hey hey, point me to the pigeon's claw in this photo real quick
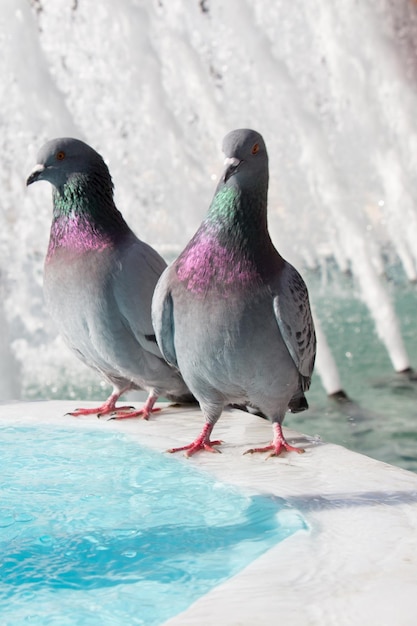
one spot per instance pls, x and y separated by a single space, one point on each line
275 450
278 444
121 409
104 409
144 413
201 443
194 447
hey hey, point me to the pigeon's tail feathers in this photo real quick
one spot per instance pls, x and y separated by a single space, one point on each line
249 408
186 398
163 318
298 403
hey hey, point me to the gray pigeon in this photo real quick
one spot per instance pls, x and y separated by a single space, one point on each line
230 312
99 280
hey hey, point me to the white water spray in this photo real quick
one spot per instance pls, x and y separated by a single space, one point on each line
154 86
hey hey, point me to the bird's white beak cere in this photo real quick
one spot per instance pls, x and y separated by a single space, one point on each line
230 166
231 162
35 174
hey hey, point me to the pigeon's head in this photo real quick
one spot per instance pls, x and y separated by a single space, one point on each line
246 158
63 159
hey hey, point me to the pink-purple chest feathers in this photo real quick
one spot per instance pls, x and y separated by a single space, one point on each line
74 236
207 265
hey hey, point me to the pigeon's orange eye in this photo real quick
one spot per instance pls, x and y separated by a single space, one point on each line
60 156
255 148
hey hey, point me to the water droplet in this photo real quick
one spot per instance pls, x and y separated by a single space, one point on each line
130 554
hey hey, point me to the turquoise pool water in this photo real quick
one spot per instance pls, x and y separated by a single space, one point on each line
98 530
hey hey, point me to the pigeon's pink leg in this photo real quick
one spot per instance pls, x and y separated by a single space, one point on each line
278 444
144 412
201 443
108 407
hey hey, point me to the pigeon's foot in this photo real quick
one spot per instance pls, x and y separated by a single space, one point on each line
278 444
100 410
108 407
276 449
194 447
144 412
124 415
201 443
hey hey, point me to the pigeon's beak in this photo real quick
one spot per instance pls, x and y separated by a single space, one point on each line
36 174
230 166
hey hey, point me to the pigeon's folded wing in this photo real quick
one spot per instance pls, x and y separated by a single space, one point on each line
141 267
163 317
293 315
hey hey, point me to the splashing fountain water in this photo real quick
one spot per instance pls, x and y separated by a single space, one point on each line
155 86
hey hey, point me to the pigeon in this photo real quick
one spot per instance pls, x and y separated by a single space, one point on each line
99 280
230 312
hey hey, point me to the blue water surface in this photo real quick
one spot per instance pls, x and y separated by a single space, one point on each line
98 530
